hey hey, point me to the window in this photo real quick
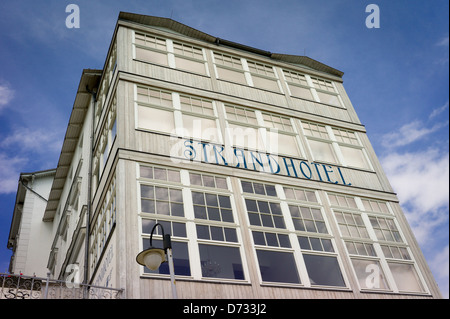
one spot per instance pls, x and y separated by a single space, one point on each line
189 58
319 142
229 68
210 206
151 49
326 92
359 248
208 181
375 206
103 226
351 225
161 200
263 131
333 145
221 262
406 277
277 266
159 173
176 229
308 219
396 252
155 110
342 201
217 233
199 119
241 115
370 274
271 239
242 128
351 148
258 188
317 244
323 270
299 194
385 229
280 135
180 258
264 213
263 76
298 85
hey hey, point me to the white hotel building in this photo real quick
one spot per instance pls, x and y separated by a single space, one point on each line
255 162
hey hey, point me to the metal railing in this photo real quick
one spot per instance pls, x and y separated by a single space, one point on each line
31 287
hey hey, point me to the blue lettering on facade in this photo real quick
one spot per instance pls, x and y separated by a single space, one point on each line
205 152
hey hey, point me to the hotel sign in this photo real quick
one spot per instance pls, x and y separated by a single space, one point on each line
236 157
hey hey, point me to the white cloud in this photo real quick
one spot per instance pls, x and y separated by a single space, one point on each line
421 181
409 133
9 173
438 110
420 178
34 140
6 95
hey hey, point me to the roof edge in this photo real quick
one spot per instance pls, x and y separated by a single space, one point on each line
199 35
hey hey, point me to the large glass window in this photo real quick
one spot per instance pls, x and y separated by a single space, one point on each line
277 266
221 262
370 274
405 277
180 254
323 270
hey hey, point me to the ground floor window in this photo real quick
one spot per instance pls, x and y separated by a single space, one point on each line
277 266
221 262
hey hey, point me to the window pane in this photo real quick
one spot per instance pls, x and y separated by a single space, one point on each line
405 277
322 151
155 119
180 258
323 270
230 75
201 128
221 262
277 266
282 144
300 92
190 65
328 98
265 83
369 273
151 56
354 157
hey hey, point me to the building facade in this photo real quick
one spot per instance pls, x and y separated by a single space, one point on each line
256 163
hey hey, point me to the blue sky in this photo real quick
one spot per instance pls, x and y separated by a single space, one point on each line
397 77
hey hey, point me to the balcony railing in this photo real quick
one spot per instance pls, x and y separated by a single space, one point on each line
31 287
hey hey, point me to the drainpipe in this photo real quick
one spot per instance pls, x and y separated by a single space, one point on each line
89 204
